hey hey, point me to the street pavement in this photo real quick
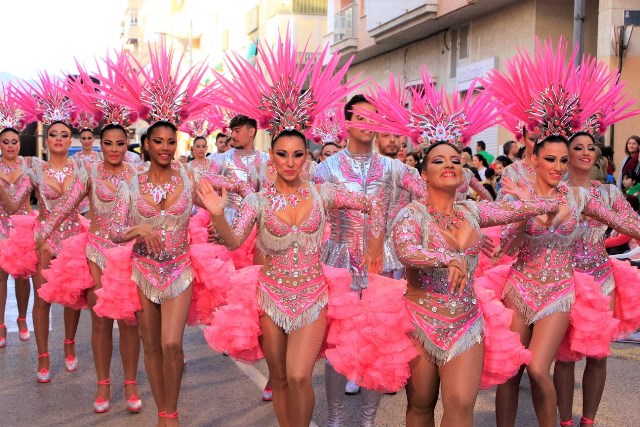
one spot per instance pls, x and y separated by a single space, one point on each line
217 391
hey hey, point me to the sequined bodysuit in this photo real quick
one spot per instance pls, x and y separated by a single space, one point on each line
50 200
590 254
13 189
369 174
445 323
94 157
291 286
165 275
541 279
100 190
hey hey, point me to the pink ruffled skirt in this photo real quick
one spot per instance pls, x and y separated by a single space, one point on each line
18 255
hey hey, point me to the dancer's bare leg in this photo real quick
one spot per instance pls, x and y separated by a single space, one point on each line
507 393
40 313
3 301
564 383
71 320
460 381
274 345
422 390
546 337
174 319
23 291
303 347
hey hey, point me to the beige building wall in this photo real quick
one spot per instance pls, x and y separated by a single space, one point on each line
611 15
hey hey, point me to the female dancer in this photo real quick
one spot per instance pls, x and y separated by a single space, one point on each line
292 289
540 284
198 130
100 188
51 180
154 210
12 169
617 280
438 241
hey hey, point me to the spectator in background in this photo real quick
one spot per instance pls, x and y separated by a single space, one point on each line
630 184
510 150
481 149
621 243
467 162
630 163
328 150
498 166
222 142
598 170
469 151
488 182
414 161
481 164
342 144
607 153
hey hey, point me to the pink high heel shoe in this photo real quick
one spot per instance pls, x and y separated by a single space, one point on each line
43 375
70 362
100 405
23 334
134 404
3 340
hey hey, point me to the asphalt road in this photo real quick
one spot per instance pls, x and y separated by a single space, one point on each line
216 391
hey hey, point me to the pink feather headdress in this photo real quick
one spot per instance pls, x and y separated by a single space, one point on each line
542 92
329 126
117 93
281 92
433 116
47 100
162 91
198 128
602 97
11 116
80 89
220 117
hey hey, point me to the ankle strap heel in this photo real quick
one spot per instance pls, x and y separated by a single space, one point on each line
587 421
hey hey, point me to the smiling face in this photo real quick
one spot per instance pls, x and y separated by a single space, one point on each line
114 146
58 138
161 145
9 144
551 163
632 146
289 154
582 153
86 139
442 168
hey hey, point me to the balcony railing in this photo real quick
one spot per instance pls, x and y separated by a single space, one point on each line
344 25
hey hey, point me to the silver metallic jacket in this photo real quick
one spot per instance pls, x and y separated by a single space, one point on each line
373 175
239 165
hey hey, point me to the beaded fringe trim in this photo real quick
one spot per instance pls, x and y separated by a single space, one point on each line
156 295
473 336
95 256
286 322
513 300
608 286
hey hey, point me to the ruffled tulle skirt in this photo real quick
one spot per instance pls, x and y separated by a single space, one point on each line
627 297
592 326
118 298
504 354
368 339
68 276
18 255
199 233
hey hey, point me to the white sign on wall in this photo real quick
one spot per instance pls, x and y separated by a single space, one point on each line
466 73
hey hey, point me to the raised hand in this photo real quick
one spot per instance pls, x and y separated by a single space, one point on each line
210 199
519 191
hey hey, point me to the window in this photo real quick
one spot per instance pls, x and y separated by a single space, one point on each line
459 48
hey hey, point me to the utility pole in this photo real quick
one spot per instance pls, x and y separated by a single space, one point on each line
578 28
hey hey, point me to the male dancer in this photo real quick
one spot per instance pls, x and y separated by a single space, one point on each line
242 162
359 169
